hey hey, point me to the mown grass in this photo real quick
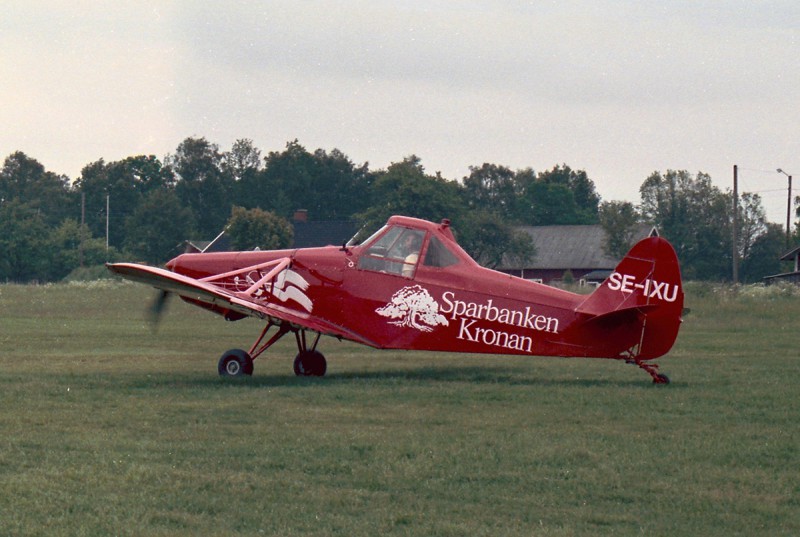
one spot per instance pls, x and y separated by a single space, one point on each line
107 428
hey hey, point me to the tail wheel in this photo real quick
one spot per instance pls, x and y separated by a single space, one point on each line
652 369
235 363
310 364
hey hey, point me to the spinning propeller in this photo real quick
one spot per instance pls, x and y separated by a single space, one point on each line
157 308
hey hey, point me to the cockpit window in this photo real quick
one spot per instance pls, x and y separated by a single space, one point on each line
355 240
381 246
396 252
438 255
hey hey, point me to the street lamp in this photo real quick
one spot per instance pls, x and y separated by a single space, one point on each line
788 206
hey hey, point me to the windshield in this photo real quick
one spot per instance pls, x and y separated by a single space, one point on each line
396 251
356 239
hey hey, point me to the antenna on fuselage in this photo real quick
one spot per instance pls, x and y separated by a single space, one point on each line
210 244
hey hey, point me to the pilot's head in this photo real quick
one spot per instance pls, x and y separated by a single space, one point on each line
412 243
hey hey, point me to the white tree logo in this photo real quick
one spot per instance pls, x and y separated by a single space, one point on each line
415 307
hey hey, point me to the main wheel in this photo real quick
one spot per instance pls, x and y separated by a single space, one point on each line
661 378
235 363
310 364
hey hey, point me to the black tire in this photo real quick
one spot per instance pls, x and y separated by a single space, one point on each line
310 364
661 378
235 363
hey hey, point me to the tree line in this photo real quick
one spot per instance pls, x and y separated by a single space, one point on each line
143 208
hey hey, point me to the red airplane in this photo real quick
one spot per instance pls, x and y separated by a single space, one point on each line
411 286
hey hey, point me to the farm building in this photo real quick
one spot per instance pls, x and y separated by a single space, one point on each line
306 235
794 277
579 250
219 244
321 233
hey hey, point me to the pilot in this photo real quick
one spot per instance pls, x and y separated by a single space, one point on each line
411 246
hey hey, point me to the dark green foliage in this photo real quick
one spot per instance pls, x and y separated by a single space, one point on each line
155 207
495 189
695 216
24 249
490 240
328 185
253 228
25 179
162 226
561 196
72 246
119 186
619 220
763 258
404 188
203 186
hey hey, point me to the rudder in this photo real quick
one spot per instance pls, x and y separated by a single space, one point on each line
647 280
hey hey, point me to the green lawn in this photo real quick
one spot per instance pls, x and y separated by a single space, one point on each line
107 428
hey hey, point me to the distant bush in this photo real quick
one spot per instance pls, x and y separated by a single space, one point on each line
743 293
775 291
88 274
701 289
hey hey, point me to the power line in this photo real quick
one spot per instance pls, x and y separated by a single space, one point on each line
767 190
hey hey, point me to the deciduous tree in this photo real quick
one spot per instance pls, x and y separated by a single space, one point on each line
249 229
567 196
763 257
25 254
491 241
404 188
619 220
121 186
24 179
493 188
695 216
158 227
203 185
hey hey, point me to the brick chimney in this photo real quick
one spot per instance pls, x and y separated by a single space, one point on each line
300 215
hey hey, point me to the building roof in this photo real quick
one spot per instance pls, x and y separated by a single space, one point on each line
323 233
221 243
571 247
791 254
306 235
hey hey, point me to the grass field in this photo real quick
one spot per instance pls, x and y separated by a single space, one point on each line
109 429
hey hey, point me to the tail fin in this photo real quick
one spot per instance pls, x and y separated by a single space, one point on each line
648 282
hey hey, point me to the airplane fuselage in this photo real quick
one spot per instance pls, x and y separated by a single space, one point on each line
461 307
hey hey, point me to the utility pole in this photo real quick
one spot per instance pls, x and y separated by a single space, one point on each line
735 224
788 208
83 223
108 204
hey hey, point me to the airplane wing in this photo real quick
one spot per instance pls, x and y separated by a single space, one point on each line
215 295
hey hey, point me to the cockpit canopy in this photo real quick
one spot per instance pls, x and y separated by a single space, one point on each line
397 248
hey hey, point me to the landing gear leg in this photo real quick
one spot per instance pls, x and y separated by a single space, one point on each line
309 362
237 363
631 356
652 369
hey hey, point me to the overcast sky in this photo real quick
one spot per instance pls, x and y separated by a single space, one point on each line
619 89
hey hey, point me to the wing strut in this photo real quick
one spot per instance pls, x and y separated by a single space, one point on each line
277 266
283 329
